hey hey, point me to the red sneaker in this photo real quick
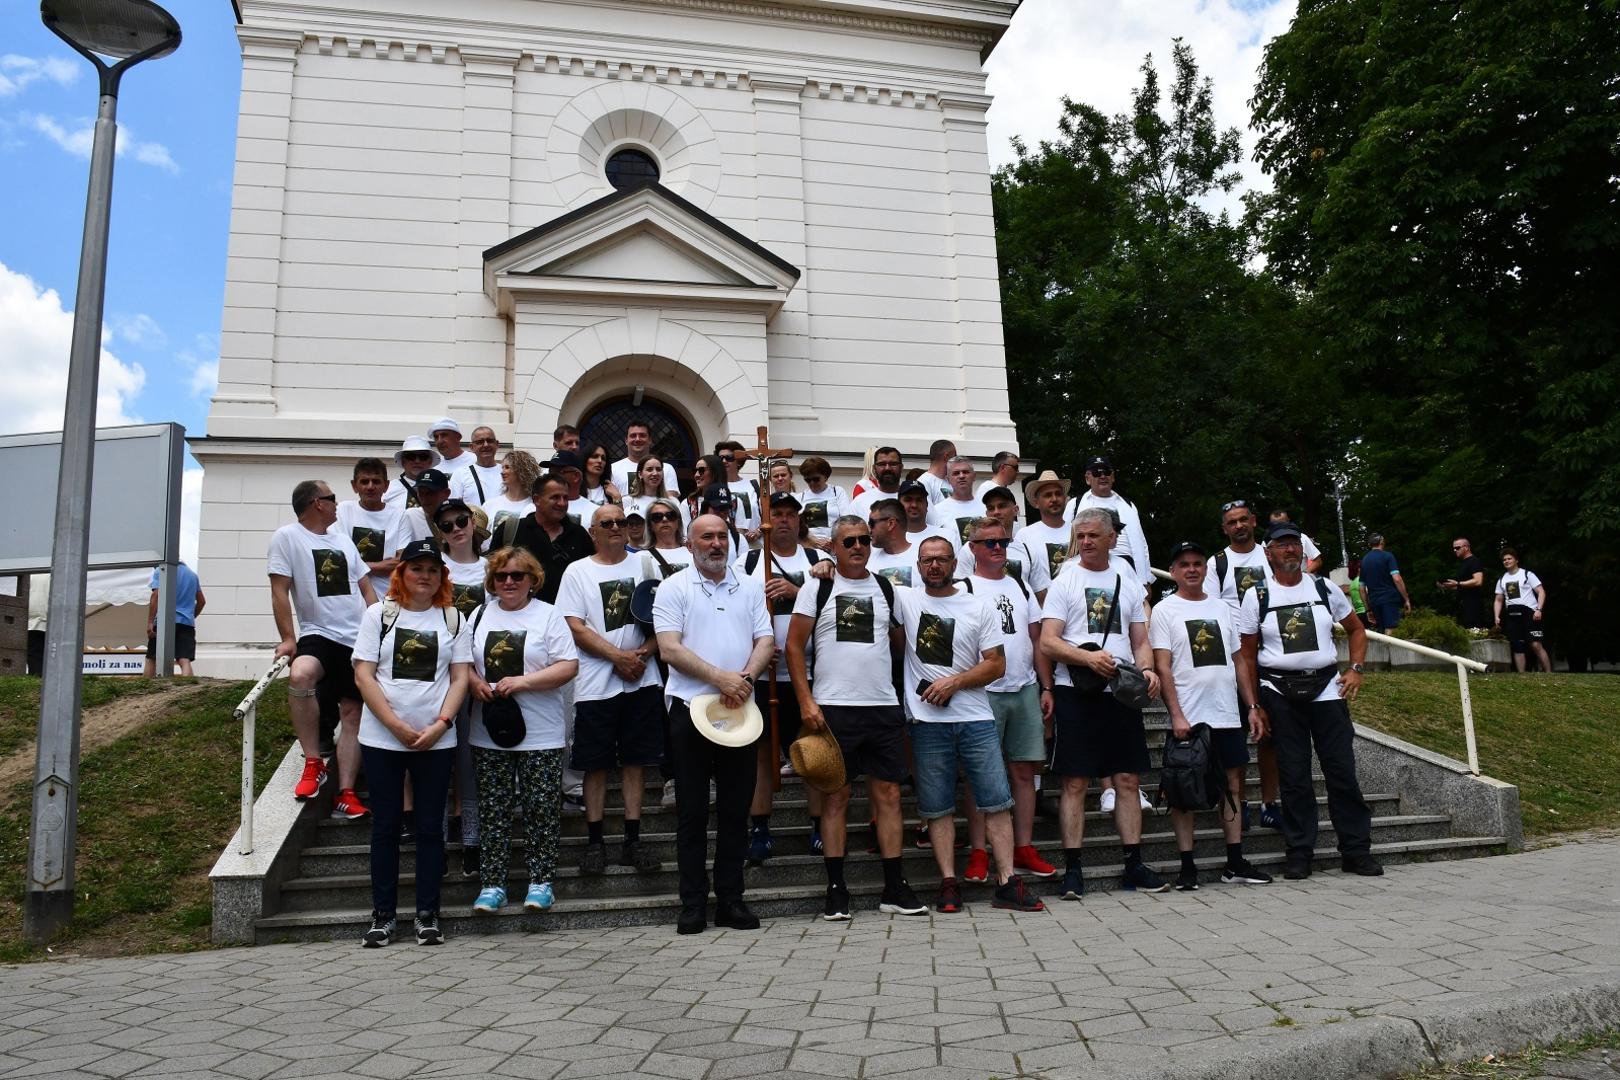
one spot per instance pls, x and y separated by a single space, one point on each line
1026 860
314 778
978 866
348 806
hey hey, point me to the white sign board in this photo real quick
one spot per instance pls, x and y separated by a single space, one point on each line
134 502
114 664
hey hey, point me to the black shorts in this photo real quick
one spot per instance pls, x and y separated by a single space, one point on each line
872 739
626 729
185 643
1094 735
788 721
337 667
1231 746
1521 628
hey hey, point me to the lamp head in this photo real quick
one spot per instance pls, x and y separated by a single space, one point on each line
128 31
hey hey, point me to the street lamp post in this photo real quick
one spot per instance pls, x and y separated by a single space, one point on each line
127 31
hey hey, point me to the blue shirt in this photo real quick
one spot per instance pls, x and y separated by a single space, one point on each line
1378 570
185 594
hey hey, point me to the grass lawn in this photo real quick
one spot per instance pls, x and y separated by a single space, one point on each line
155 809
19 703
1557 737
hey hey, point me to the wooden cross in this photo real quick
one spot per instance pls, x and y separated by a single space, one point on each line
766 456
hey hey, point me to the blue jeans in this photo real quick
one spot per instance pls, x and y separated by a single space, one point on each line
974 746
429 771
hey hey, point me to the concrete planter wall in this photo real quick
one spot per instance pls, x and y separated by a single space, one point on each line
1492 651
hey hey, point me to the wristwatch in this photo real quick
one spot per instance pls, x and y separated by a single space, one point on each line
1046 689
747 678
1358 669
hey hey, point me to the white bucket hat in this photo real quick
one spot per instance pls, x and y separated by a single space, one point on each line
720 723
444 423
416 444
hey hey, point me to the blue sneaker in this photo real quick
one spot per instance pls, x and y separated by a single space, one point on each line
759 846
1074 886
1270 816
815 840
540 897
489 901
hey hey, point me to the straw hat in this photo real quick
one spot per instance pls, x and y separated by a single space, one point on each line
1047 476
720 723
816 757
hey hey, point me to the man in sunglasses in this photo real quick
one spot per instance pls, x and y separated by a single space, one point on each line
887 469
849 619
1313 554
1238 569
481 480
432 491
1133 547
318 573
618 702
414 457
893 555
1022 564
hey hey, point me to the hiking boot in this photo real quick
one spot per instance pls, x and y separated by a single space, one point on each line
594 861
632 854
1106 803
489 900
1074 884
1011 895
1297 868
950 897
1140 877
309 785
759 845
978 866
348 807
1363 864
1243 873
1026 860
470 861
381 932
1270 816
836 909
901 901
540 897
1187 880
427 928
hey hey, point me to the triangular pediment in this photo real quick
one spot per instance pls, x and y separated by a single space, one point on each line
644 241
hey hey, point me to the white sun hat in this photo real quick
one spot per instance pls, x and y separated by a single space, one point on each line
720 723
416 444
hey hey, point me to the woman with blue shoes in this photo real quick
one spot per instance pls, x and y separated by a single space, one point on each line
522 655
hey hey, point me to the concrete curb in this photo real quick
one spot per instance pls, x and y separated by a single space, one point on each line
1412 1038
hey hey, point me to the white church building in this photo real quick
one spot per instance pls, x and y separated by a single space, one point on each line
715 214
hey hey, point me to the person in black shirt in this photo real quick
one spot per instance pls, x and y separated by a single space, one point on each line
1469 584
551 536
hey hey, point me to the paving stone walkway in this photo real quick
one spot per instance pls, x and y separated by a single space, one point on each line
1120 981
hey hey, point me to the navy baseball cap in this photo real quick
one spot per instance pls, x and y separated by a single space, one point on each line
433 480
421 549
908 487
1282 529
785 498
1186 546
1099 464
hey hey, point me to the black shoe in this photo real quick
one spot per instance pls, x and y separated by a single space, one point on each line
1074 885
1244 873
594 861
694 919
1364 865
836 908
1187 880
735 914
1141 877
427 928
1011 895
381 932
634 855
949 900
1297 868
470 861
901 901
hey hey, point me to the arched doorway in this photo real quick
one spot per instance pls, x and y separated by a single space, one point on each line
672 438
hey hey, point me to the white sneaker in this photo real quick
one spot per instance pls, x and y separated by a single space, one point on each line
1147 803
1108 801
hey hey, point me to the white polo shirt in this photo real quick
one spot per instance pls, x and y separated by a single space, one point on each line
717 620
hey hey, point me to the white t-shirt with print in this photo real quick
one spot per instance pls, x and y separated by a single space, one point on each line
1050 542
945 635
1244 570
1023 563
851 639
746 504
499 509
1132 541
467 584
1202 639
413 668
376 534
520 643
416 524
1518 589
861 505
821 509
397 493
326 570
676 559
1014 613
624 469
901 569
599 595
581 510
1080 599
717 620
939 488
464 460
954 517
1116 565
1298 634
465 488
796 569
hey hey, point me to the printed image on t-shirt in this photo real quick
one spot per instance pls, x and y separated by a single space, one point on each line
1055 554
501 518
1512 590
331 572
369 542
1015 570
743 500
1246 578
815 515
1102 614
782 605
1004 608
416 654
467 598
964 525
856 617
936 635
897 575
1204 638
503 654
616 602
1297 628
572 517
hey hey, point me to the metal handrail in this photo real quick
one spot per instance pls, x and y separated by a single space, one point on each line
247 713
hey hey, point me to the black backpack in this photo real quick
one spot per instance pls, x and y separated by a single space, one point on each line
1191 777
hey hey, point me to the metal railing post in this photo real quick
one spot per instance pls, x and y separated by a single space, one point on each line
1468 720
248 713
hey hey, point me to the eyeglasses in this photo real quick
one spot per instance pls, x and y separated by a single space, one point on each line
509 575
610 524
417 455
858 540
451 524
935 560
995 543
328 497
1235 504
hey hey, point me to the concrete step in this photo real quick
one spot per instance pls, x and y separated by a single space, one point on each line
802 902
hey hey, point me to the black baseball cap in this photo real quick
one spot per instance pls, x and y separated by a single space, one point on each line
1099 463
907 487
999 492
433 480
1186 546
421 549
564 459
785 498
1282 529
450 506
718 496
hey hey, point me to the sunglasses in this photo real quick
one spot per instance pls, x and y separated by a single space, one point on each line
416 456
1101 472
509 575
994 543
699 469
872 523
1235 504
328 497
452 524
611 524
660 518
728 458
858 540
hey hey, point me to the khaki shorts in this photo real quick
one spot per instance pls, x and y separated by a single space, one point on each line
1018 722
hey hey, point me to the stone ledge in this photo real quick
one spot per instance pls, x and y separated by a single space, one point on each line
1436 784
246 887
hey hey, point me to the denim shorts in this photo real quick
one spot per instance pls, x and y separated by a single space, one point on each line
973 746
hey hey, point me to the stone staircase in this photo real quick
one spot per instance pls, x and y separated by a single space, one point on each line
324 891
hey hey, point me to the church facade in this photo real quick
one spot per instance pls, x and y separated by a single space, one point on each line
717 214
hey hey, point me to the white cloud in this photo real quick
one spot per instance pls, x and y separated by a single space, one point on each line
190 514
36 336
139 329
201 363
79 139
16 72
1091 50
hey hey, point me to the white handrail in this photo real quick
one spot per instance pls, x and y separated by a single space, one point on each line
248 713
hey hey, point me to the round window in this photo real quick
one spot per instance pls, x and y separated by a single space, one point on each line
630 168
